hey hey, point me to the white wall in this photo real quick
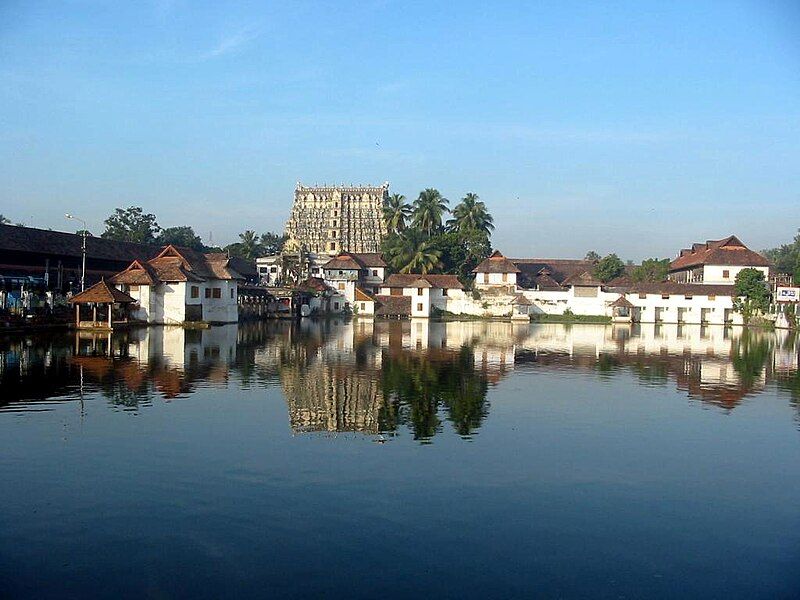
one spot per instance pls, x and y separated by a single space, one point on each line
713 274
495 279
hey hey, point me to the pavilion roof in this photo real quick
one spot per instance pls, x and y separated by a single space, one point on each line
102 293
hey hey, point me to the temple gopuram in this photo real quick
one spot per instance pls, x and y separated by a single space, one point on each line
327 220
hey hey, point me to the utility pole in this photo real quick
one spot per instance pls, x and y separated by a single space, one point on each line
83 248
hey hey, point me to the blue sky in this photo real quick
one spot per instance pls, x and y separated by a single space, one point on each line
628 127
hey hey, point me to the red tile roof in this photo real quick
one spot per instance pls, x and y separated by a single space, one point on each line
355 261
729 251
102 293
363 296
496 263
403 280
393 306
174 263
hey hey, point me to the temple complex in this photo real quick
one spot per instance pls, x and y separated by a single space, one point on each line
327 220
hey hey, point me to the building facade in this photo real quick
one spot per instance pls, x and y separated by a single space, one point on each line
327 220
716 262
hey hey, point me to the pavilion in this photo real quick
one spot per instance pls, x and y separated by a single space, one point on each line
104 295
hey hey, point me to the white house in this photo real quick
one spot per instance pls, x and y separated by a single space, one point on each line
423 293
181 285
348 272
496 272
716 262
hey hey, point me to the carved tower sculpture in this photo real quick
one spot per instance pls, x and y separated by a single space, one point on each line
334 219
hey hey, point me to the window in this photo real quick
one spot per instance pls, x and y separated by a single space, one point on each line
712 297
335 306
505 277
485 278
341 286
216 293
273 269
232 290
195 292
374 272
363 306
419 291
208 292
419 306
133 288
726 274
444 291
665 296
334 223
687 297
642 296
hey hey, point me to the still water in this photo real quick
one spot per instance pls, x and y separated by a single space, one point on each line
347 459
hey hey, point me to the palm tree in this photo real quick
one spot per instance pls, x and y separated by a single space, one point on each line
250 245
412 252
471 215
429 208
396 213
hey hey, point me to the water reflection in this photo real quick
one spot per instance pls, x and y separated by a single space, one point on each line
388 376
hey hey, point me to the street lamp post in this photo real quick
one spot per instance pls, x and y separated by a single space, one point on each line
83 248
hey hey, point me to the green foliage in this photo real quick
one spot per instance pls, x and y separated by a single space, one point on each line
131 224
787 258
181 236
85 232
429 209
752 294
471 215
396 213
411 252
592 256
749 355
272 243
4 220
651 270
608 268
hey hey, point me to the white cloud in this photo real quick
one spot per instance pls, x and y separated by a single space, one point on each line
233 42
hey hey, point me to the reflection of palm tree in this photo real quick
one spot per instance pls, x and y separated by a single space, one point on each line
749 354
396 213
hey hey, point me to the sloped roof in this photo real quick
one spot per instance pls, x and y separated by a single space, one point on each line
729 251
584 278
521 300
674 287
496 263
621 302
404 280
102 293
175 263
363 296
314 284
44 241
344 262
369 259
547 273
392 306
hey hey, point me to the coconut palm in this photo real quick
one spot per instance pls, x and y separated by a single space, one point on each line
250 248
429 208
396 212
412 252
471 215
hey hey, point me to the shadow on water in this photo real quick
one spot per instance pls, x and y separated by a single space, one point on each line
387 376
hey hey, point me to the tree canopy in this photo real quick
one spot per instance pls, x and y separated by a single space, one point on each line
182 235
131 224
787 258
592 256
429 210
4 220
396 213
651 270
471 215
608 268
752 293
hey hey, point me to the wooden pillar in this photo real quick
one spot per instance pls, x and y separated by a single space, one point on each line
110 310
77 315
94 314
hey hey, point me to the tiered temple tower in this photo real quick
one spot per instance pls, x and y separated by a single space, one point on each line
334 219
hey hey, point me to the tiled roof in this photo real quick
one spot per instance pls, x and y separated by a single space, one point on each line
344 262
363 296
43 241
403 280
174 263
102 292
729 251
369 259
392 306
496 263
558 273
674 287
314 284
621 302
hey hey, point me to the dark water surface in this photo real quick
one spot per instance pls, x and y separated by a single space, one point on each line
346 459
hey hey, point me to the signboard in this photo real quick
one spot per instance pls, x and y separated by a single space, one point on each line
787 294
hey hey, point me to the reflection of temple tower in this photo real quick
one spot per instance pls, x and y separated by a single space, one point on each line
333 219
331 398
